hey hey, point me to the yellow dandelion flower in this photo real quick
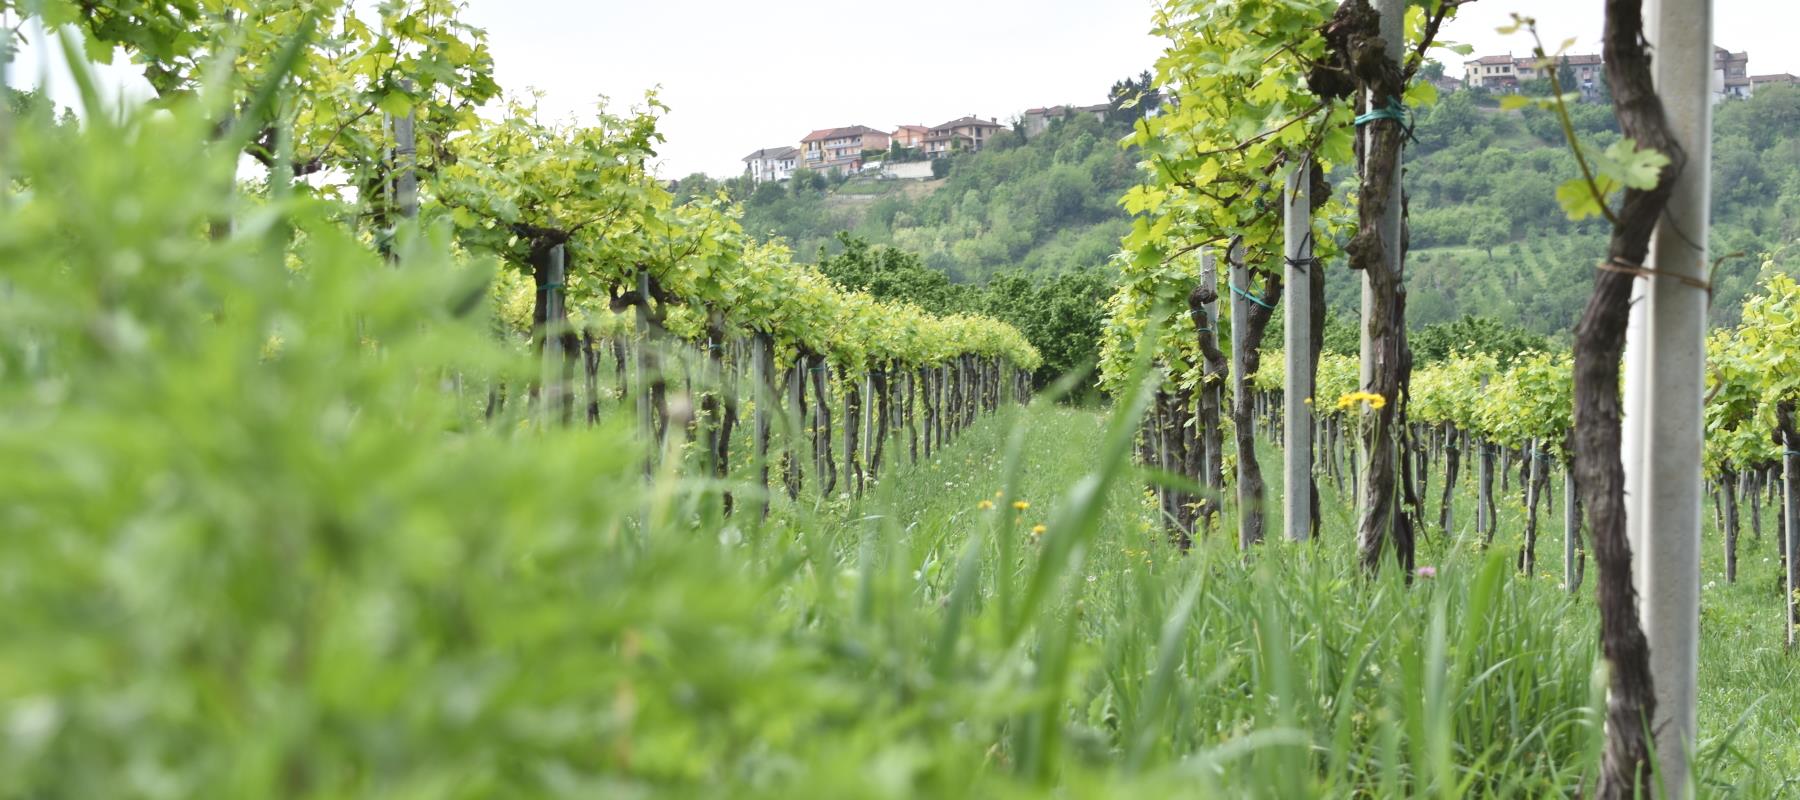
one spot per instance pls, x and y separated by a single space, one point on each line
1021 505
985 505
999 492
1372 399
1038 530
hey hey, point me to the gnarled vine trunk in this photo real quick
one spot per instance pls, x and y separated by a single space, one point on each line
1599 471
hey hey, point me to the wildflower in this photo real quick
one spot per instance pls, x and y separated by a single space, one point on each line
1038 530
985 505
1021 505
1372 399
999 492
1091 579
1427 572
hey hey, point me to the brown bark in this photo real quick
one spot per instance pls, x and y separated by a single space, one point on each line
720 404
1249 469
1452 465
1216 368
884 403
1364 52
822 432
539 258
590 362
1535 481
853 410
910 411
795 477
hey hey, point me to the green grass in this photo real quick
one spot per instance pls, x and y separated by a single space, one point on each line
1314 680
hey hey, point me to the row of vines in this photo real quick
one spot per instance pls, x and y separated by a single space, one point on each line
387 114
1267 105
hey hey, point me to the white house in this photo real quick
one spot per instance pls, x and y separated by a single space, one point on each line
772 163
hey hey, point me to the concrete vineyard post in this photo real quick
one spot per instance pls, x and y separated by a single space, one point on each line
1297 332
1664 438
554 322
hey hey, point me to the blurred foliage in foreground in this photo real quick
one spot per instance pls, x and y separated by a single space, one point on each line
257 544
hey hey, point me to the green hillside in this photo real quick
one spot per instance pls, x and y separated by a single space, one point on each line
1046 204
1488 238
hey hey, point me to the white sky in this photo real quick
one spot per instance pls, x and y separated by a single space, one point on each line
745 74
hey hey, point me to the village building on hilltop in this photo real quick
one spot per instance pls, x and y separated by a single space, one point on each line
965 133
840 148
772 164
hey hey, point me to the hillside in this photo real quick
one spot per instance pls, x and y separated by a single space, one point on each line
1043 205
1489 239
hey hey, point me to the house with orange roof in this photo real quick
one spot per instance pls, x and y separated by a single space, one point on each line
912 136
964 133
840 148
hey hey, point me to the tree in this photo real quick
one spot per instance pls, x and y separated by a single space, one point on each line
1132 99
1471 334
1565 74
1489 232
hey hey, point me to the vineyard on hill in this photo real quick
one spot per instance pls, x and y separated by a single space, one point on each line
364 434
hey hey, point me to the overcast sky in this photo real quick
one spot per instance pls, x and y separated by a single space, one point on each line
745 74
740 75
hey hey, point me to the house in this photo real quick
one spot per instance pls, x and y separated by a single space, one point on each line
1037 120
1731 73
1759 81
910 136
1587 68
964 133
840 148
771 164
1734 65
1495 73
1503 73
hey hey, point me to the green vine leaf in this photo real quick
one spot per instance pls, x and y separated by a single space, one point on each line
1635 168
1580 201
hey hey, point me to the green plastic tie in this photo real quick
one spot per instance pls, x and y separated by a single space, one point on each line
553 285
1394 110
1252 298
